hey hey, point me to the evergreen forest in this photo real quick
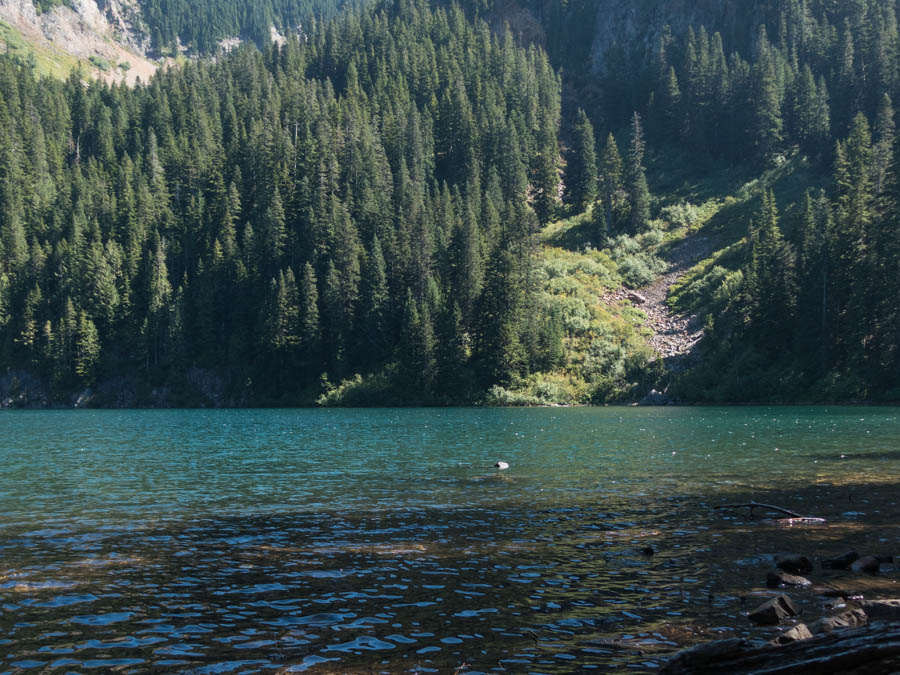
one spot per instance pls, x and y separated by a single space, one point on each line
416 202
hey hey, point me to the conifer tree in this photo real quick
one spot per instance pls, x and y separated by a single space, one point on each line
766 125
611 185
450 351
770 278
636 180
581 172
159 297
416 348
885 142
498 350
87 350
670 104
374 302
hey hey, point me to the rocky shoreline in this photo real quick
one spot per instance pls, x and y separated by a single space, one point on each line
854 635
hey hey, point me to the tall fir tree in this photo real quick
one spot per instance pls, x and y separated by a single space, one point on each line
636 179
581 172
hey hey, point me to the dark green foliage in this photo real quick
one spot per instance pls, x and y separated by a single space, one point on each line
499 352
44 5
326 206
770 293
364 198
819 315
416 348
636 179
199 25
611 185
767 75
581 173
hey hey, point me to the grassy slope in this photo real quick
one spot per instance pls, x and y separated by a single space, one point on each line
605 350
48 61
607 358
731 201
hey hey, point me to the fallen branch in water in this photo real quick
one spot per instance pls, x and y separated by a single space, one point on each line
874 649
768 507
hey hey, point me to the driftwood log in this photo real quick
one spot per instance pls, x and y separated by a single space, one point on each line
873 650
786 514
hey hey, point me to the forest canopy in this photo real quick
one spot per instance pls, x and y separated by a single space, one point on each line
363 204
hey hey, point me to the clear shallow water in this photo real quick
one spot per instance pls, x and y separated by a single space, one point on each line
384 541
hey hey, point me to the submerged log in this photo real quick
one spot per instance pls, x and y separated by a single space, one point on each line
874 649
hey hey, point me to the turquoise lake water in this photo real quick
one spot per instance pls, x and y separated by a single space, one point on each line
386 541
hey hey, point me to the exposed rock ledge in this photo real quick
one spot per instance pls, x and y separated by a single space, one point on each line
115 34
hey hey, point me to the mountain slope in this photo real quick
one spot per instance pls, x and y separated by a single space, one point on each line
108 45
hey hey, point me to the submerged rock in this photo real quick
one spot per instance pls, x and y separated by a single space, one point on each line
704 655
655 398
868 565
848 619
774 611
795 634
795 564
888 610
842 562
781 579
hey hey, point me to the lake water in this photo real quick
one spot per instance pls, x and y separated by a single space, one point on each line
385 541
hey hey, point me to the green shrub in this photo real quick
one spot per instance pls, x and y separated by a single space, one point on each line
99 62
374 389
498 396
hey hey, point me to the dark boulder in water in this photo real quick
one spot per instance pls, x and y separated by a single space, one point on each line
774 611
795 564
885 610
848 619
795 634
654 398
781 579
868 565
842 562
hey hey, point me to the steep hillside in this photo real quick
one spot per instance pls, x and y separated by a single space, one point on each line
108 44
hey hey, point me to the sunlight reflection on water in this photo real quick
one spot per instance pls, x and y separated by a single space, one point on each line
243 541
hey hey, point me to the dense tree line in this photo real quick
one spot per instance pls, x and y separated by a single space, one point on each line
357 199
199 25
800 84
770 75
815 309
818 312
810 69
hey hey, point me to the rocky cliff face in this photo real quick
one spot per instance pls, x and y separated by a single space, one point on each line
636 25
108 36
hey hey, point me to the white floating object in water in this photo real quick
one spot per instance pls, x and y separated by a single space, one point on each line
501 465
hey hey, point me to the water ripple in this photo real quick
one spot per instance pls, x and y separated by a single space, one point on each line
249 541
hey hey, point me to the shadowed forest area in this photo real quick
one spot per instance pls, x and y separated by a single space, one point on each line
410 202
